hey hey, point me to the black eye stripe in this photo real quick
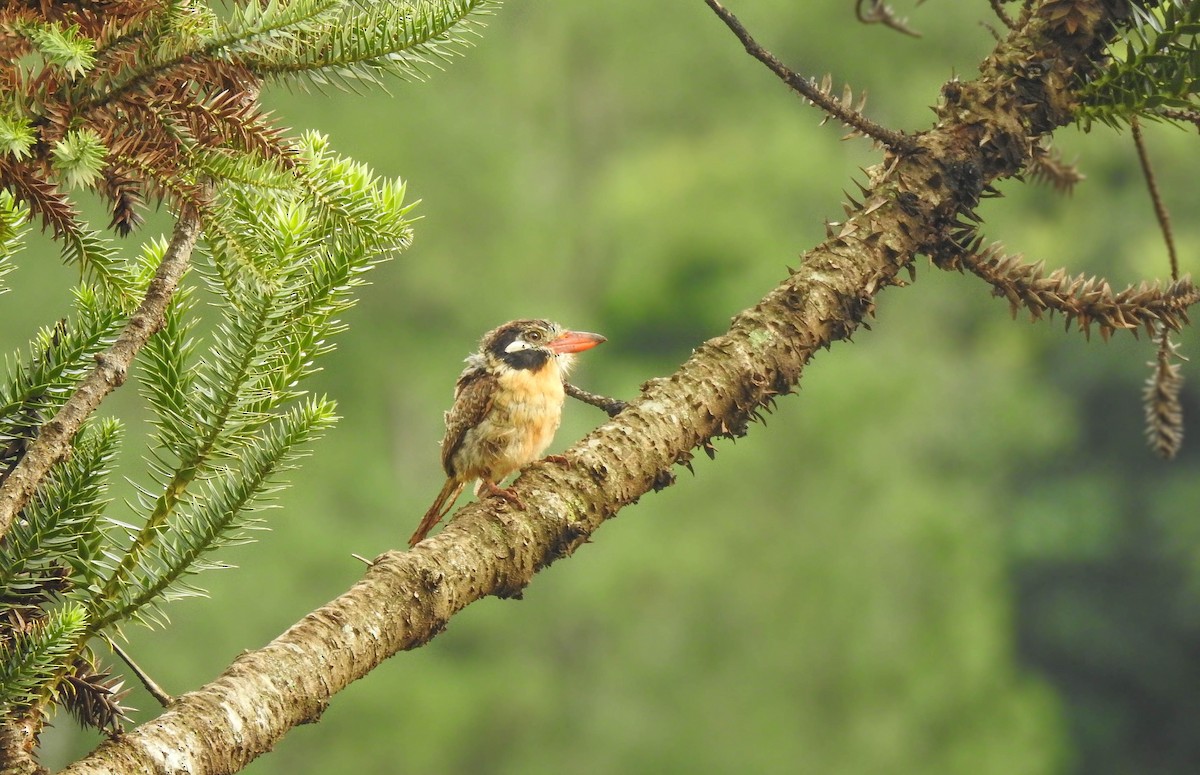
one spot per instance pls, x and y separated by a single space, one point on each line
534 332
527 359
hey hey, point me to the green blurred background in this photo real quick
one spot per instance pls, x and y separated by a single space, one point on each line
950 553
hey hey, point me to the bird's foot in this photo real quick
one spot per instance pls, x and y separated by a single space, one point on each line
502 492
562 460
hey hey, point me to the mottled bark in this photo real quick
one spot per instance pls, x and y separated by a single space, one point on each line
985 131
18 740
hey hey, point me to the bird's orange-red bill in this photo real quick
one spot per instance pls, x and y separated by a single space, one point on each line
574 341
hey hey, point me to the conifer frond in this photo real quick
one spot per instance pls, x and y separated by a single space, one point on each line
291 230
255 27
126 195
233 256
79 157
1153 72
227 120
98 261
221 515
243 169
57 544
30 656
213 412
81 246
310 248
14 224
167 378
16 136
364 213
42 197
62 46
37 383
373 40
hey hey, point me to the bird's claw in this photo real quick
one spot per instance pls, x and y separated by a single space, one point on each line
502 492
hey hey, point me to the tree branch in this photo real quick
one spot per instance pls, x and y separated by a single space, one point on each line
998 8
610 406
493 548
18 738
53 442
897 141
880 13
1086 300
1160 207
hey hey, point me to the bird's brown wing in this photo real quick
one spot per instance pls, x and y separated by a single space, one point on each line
472 400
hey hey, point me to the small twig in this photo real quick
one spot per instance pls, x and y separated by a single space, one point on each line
1181 114
897 141
1026 14
54 440
998 7
611 405
1164 412
1160 208
153 688
1046 166
881 13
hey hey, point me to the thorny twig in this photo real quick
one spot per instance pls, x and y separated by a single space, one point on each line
998 7
807 88
1164 413
880 13
149 683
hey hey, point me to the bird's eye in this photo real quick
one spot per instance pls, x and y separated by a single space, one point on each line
534 336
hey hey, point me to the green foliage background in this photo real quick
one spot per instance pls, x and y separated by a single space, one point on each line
950 553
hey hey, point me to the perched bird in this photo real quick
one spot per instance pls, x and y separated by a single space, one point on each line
507 406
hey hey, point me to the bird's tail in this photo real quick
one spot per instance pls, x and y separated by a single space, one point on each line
441 505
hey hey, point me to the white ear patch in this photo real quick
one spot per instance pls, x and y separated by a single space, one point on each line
516 345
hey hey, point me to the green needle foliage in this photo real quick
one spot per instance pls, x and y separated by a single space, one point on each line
37 384
60 542
145 102
1154 72
31 658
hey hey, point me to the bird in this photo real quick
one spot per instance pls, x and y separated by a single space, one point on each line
507 405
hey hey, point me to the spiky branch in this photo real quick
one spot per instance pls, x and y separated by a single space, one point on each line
1080 299
843 109
1164 411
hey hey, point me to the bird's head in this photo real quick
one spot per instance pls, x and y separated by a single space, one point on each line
531 344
